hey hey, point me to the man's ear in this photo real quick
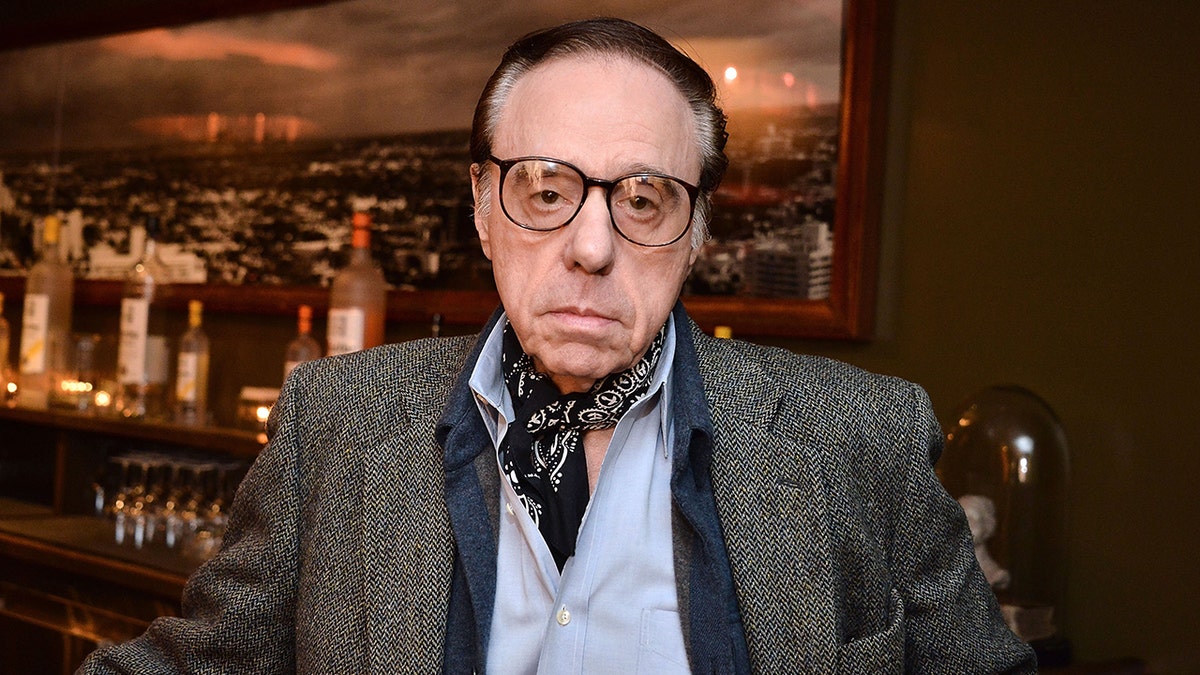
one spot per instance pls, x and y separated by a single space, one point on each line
481 224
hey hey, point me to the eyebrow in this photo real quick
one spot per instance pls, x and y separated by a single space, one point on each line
638 168
641 167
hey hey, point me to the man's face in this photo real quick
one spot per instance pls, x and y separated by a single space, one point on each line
584 301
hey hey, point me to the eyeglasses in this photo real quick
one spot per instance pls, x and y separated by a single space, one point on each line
543 194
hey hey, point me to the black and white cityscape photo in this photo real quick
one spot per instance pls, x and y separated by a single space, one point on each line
253 141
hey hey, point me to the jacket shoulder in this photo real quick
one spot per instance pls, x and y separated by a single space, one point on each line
820 383
373 389
425 367
855 423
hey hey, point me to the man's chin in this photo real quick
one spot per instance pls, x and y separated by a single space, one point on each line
580 362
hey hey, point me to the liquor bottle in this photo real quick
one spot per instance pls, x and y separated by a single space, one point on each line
191 372
358 299
46 322
4 337
142 352
5 372
302 347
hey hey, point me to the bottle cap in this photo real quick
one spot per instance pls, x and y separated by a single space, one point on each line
50 233
195 310
361 237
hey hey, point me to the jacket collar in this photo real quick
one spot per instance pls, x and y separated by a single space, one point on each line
460 414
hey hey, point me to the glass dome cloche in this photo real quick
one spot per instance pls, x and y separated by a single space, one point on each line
1007 462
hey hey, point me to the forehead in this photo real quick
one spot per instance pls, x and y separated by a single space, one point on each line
605 114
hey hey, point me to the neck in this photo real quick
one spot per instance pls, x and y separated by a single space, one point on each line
570 385
595 447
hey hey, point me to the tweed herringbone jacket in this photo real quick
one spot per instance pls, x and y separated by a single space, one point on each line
845 553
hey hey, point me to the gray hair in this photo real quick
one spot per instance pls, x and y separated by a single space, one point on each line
610 37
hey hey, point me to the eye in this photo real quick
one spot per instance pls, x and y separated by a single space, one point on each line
639 203
549 197
642 196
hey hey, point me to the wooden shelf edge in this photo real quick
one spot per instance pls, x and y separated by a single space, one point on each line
245 444
161 583
456 307
786 317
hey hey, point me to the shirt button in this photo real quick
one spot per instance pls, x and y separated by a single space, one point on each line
564 617
508 505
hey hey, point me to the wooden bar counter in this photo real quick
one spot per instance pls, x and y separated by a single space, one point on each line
66 585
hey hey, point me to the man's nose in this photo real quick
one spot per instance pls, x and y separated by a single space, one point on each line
591 240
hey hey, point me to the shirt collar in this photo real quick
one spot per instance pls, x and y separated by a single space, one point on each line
487 379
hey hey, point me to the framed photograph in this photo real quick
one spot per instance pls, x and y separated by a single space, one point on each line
253 138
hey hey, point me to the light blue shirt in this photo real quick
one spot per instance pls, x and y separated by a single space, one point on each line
614 608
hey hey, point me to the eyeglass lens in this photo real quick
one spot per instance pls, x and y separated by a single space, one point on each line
646 208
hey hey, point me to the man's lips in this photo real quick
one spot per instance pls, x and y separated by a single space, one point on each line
580 311
581 317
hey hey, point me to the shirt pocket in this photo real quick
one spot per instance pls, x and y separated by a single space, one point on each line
660 645
881 652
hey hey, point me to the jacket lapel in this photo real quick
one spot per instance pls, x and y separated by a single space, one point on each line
407 556
772 505
472 497
408 546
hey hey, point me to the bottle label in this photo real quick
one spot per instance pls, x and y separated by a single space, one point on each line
35 327
347 326
158 354
185 377
131 352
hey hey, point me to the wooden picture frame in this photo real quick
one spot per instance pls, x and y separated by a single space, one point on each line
846 313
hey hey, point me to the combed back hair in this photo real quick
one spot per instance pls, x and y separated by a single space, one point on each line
608 37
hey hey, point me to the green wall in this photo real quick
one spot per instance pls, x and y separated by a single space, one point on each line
1042 211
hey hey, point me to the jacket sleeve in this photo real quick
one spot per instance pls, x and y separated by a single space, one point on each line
952 620
239 607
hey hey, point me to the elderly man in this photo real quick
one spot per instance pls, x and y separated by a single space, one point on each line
591 485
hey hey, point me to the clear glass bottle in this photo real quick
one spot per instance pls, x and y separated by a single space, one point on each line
358 300
142 352
6 373
191 372
46 322
302 347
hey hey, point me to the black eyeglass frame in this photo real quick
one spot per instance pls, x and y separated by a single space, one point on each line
693 192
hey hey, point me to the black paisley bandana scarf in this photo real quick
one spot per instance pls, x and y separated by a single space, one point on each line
542 452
